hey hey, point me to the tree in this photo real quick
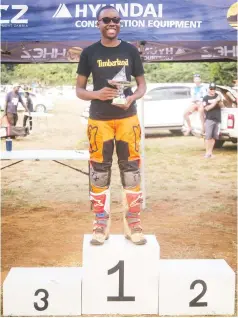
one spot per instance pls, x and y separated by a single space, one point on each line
222 73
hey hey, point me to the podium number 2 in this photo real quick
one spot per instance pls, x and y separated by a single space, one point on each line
194 302
119 267
44 299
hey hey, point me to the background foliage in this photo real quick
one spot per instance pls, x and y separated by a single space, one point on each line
65 74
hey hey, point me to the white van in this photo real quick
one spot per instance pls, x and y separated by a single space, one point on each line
164 107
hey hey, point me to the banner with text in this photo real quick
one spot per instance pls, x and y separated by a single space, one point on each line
52 52
44 31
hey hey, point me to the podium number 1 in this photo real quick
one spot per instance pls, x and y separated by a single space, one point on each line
119 267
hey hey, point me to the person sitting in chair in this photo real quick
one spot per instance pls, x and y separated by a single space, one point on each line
198 92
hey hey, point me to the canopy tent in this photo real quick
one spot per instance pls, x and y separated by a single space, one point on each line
36 31
168 30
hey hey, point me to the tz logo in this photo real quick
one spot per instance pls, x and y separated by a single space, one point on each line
16 18
137 201
96 202
92 133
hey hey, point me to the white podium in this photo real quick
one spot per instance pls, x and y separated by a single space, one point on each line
120 277
196 287
42 291
125 279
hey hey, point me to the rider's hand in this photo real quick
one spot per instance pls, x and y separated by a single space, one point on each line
106 93
129 101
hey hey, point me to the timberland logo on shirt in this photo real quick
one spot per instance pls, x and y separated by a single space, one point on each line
110 63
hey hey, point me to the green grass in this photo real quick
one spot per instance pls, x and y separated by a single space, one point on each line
8 193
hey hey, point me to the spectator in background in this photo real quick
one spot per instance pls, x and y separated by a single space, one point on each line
29 105
12 100
234 99
198 92
212 104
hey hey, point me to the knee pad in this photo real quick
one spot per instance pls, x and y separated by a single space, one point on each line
130 173
100 174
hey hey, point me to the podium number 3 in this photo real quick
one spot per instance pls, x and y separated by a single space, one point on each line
194 302
44 299
119 267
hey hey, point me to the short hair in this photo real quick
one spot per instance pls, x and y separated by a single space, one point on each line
104 8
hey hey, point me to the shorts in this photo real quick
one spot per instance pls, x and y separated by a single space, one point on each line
212 129
12 119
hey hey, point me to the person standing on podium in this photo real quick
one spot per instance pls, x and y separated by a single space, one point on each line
113 122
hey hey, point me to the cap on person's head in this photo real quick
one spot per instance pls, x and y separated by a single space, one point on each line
196 75
16 85
212 86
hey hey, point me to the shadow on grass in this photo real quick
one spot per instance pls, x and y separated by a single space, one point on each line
159 135
228 147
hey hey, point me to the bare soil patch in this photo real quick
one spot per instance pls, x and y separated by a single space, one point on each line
191 201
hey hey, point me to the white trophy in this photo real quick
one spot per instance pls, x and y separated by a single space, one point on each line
120 81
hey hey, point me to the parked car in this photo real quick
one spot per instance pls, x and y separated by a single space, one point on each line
229 118
164 106
40 103
53 92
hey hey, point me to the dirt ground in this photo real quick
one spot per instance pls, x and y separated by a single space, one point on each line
190 201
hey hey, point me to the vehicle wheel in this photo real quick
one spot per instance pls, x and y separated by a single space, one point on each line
177 132
40 108
219 143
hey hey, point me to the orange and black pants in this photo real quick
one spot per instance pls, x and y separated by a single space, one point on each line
105 135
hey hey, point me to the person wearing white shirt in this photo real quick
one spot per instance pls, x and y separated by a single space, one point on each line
197 93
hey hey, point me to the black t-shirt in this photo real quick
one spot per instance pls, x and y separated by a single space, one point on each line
104 63
215 113
29 104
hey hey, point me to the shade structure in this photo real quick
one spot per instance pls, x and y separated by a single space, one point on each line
165 30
